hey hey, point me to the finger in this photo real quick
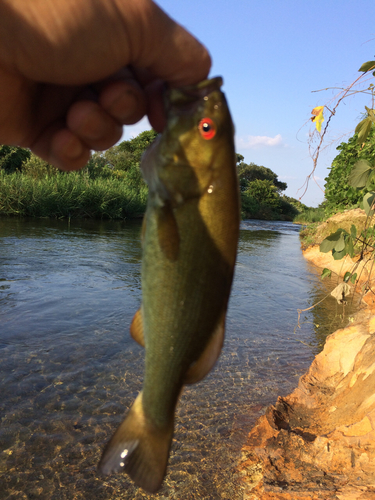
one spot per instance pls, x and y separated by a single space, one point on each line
67 151
60 147
125 101
155 109
90 123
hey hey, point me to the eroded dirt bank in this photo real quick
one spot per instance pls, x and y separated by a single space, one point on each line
319 442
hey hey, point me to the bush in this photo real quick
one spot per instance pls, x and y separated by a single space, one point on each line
12 158
287 210
249 206
310 215
37 168
69 195
339 194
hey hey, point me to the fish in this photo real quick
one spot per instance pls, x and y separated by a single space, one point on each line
189 246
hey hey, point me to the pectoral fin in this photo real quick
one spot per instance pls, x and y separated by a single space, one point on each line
168 234
136 328
205 363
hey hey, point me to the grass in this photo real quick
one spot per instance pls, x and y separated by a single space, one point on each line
314 233
72 195
310 216
308 235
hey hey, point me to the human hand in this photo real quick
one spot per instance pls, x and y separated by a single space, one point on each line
73 72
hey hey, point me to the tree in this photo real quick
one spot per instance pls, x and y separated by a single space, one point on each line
264 192
12 157
252 172
122 160
136 146
261 193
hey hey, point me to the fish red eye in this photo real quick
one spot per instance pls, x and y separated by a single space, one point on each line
207 128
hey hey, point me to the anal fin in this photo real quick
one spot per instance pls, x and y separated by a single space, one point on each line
204 364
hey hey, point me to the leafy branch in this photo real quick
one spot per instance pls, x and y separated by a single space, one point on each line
363 128
360 183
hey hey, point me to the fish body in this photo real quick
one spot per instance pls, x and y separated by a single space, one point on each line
189 241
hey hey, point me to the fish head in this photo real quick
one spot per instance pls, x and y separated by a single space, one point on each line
182 162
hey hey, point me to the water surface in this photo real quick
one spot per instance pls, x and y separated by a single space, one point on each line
69 369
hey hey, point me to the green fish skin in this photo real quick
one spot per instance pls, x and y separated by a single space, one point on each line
189 241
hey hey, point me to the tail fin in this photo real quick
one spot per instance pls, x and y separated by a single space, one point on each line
138 448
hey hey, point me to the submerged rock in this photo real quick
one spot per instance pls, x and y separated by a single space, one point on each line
319 442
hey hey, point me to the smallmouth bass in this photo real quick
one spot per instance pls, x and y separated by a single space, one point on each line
189 246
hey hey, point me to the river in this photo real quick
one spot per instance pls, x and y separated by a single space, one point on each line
69 369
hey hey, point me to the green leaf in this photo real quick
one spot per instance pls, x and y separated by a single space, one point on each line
338 255
349 247
330 242
371 113
340 245
367 66
370 184
353 232
363 129
326 273
360 125
368 202
347 276
360 173
353 278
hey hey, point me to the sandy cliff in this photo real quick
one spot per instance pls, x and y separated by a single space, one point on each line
319 442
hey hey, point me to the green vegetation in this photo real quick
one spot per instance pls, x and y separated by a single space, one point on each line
12 158
69 195
310 215
111 186
359 240
340 193
261 196
350 184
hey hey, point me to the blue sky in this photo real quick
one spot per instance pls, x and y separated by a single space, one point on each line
272 54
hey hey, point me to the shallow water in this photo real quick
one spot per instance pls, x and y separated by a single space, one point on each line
69 369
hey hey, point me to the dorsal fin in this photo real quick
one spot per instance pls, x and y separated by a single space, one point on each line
136 328
204 364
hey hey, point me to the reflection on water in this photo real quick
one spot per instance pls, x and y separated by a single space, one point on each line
69 370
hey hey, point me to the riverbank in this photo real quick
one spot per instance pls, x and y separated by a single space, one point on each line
319 442
313 234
